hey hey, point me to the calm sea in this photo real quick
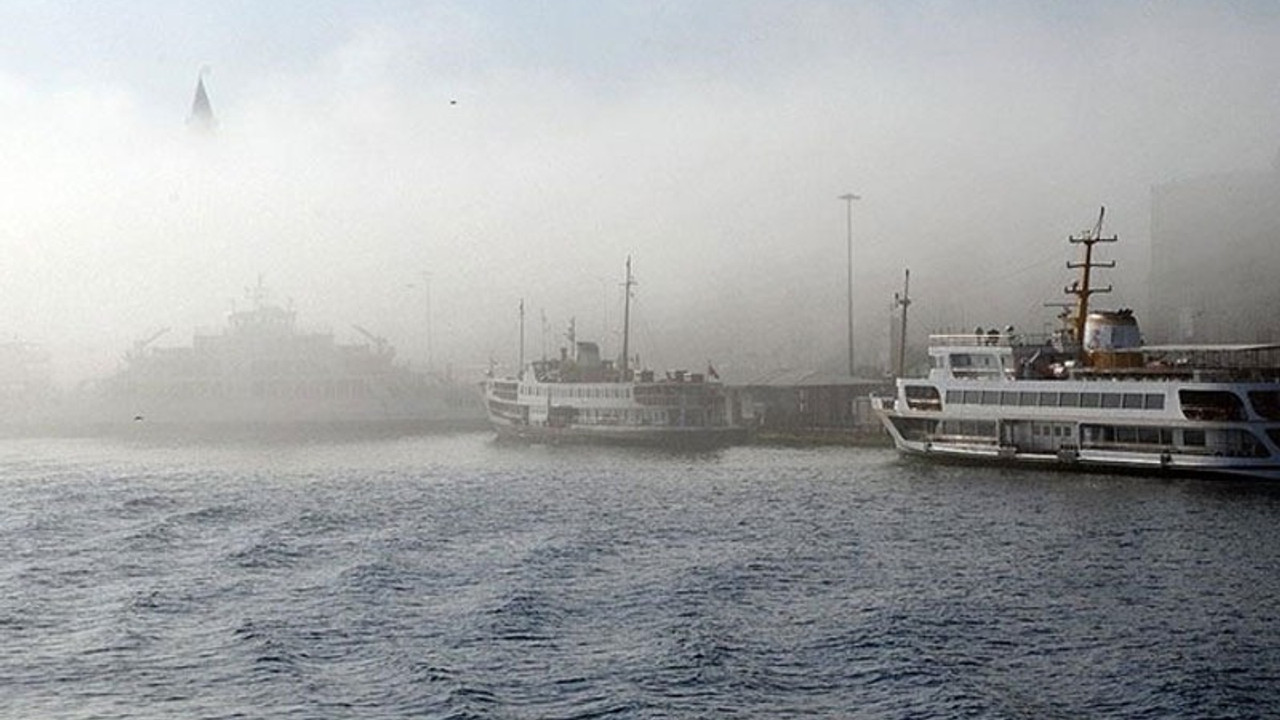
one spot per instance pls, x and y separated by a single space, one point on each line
452 577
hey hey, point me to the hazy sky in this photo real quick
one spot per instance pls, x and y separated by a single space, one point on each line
516 149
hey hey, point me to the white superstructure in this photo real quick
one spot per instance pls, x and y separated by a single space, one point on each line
1093 396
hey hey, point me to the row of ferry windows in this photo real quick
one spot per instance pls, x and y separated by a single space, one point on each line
575 392
1235 442
614 417
1028 398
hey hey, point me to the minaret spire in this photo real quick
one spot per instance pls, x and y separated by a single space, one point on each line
201 118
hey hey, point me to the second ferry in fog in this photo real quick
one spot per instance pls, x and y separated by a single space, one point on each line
580 397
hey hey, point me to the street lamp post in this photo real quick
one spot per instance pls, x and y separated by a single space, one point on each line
426 284
848 199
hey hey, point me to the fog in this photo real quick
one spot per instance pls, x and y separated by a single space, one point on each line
499 151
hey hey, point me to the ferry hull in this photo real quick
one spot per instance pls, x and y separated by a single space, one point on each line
662 437
1085 461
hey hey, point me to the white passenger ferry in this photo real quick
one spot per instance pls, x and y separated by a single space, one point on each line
1093 396
580 397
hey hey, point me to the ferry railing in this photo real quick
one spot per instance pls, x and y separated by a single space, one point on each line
997 339
881 402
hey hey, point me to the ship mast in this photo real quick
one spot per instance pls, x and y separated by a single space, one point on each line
903 301
520 371
1081 288
626 321
543 314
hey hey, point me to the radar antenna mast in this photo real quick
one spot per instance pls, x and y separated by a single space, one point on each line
1082 288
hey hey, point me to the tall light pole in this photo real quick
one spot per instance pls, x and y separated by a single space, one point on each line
426 285
848 199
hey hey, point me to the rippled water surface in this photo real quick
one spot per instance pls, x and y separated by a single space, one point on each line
452 577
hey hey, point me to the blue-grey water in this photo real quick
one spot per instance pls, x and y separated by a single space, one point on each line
452 577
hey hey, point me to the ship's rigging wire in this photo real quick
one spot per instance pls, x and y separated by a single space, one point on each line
989 283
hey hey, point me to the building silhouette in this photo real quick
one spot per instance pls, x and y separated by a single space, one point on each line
1215 259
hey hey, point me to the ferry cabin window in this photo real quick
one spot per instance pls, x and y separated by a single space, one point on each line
1153 401
1266 403
923 397
1212 405
922 392
1193 437
1155 436
1026 398
974 364
969 428
1048 399
1132 401
990 397
1243 443
1008 397
1096 434
1069 399
1090 399
1105 435
1110 400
